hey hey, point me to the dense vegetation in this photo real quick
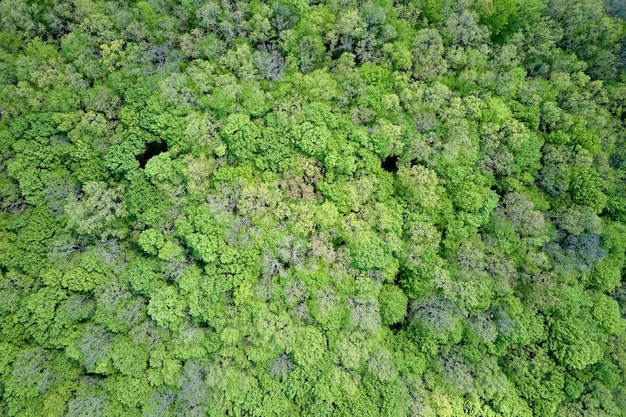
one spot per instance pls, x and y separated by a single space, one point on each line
292 208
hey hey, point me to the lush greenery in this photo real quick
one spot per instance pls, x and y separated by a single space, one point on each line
292 208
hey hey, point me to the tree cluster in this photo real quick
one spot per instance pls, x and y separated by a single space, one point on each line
314 208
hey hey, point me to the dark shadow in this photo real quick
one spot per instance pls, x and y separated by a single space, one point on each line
396 327
152 149
338 242
390 164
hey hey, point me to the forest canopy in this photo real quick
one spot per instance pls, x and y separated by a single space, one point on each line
313 208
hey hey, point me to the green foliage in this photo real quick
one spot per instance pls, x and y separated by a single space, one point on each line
539 380
393 304
370 254
128 358
95 212
309 347
341 208
240 134
505 17
585 189
166 307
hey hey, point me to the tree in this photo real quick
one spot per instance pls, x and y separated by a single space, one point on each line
577 342
166 307
128 358
309 348
281 366
370 254
269 62
311 52
116 308
539 379
585 189
420 185
428 51
393 304
241 135
520 211
505 17
194 391
316 208
90 400
30 379
577 18
96 210
92 349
